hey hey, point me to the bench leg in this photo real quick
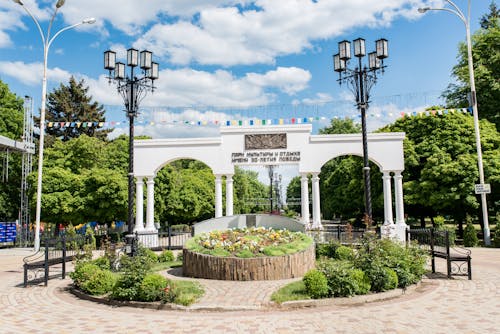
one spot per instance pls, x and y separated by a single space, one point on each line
469 269
25 275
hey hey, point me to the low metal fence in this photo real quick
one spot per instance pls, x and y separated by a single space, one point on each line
337 233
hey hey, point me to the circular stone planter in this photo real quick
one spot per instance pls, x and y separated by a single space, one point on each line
248 269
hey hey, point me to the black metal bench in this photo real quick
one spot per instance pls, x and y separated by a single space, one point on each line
55 251
437 242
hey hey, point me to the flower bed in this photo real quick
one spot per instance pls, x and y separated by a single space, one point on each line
249 254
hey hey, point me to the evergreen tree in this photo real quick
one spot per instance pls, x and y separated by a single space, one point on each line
72 104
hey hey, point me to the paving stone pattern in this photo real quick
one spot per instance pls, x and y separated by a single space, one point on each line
437 306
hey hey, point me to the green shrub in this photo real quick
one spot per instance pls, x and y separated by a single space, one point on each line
408 262
152 288
315 283
83 271
343 279
327 250
134 269
166 256
99 282
102 262
470 235
344 253
382 278
148 253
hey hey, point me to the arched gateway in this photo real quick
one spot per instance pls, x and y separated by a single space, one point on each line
272 145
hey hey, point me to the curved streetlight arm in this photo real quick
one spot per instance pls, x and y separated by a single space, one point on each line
34 20
457 13
64 29
457 10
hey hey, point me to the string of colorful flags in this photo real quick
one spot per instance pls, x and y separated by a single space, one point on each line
253 122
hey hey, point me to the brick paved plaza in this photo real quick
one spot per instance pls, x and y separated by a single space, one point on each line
437 306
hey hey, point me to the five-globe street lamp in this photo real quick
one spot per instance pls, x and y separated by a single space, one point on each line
360 80
466 20
47 42
132 89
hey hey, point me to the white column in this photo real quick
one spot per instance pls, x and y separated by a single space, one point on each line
229 195
388 220
316 203
218 196
388 229
398 187
304 186
139 204
400 219
150 209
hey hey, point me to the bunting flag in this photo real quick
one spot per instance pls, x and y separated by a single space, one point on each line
255 121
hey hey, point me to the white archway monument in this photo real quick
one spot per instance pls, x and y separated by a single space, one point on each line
272 145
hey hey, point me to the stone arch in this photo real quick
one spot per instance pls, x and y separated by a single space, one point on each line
280 144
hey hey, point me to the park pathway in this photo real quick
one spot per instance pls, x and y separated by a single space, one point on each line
437 306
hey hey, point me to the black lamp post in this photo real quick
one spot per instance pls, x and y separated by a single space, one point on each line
132 89
361 80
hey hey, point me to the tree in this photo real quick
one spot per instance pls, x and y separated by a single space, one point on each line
81 183
11 126
486 59
184 192
339 126
441 164
11 113
72 104
246 187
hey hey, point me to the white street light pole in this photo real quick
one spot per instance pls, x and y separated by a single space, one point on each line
47 41
466 20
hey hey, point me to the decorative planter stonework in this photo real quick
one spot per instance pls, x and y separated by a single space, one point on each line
248 269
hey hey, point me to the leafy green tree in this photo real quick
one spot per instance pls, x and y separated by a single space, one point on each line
184 192
339 126
441 164
61 201
80 183
11 113
247 186
486 58
11 126
104 195
71 103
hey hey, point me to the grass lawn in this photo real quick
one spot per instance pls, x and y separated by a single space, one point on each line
292 291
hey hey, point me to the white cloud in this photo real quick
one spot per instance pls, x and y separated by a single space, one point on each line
320 98
188 87
288 79
228 36
31 74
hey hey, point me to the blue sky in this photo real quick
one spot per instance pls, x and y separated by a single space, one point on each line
236 59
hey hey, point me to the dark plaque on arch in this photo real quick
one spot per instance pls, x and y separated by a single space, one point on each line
266 141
